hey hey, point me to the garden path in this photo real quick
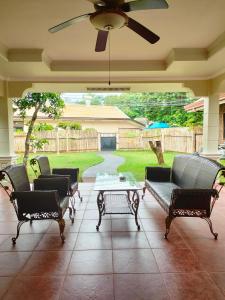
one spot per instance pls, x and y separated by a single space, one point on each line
110 164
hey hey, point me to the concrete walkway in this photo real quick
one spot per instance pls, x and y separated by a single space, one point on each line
110 164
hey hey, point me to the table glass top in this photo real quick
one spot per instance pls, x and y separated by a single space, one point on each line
116 182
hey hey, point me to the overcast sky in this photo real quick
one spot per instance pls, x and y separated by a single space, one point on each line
80 96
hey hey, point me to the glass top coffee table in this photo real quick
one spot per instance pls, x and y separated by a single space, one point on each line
117 194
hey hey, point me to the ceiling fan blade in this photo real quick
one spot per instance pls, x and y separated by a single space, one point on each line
144 4
144 32
68 23
101 40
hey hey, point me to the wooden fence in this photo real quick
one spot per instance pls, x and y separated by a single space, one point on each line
173 139
63 141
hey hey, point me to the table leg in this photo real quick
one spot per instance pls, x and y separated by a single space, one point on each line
135 205
101 208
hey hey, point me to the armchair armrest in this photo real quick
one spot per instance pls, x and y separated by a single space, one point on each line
72 172
158 174
194 199
60 184
35 202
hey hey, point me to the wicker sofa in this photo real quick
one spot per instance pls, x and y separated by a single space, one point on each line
186 189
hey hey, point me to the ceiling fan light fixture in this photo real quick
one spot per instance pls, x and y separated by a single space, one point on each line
107 20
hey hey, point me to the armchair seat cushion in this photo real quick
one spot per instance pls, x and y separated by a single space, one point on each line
163 191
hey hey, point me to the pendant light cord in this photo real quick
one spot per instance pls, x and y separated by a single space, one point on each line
109 60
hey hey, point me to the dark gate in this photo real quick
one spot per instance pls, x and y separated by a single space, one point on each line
108 143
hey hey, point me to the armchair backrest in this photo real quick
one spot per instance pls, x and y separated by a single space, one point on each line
43 164
18 177
194 171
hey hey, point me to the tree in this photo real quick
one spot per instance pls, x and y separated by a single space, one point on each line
161 107
48 103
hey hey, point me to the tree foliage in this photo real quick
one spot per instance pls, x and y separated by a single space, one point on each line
71 125
49 104
162 107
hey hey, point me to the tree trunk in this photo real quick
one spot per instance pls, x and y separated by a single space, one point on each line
29 133
157 149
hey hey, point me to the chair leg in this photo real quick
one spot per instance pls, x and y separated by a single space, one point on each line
168 222
215 234
71 214
61 223
78 192
18 231
144 189
72 202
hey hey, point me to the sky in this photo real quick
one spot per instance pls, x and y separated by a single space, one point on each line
74 97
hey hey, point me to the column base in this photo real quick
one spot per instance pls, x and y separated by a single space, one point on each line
7 160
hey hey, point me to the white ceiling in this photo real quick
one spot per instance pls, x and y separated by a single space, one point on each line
191 46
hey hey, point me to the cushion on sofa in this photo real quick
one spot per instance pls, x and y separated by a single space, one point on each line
192 171
163 190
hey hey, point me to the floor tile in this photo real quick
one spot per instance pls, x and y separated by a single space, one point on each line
154 224
69 227
124 225
157 240
176 260
134 261
25 242
5 283
35 288
151 212
88 287
189 286
98 240
93 214
3 238
12 262
54 242
91 262
191 262
92 205
139 286
43 263
219 279
212 260
8 227
90 226
128 239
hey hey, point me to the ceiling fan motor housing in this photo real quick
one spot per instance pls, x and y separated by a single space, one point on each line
107 20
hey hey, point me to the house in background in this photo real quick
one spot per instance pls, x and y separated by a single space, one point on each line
106 120
199 105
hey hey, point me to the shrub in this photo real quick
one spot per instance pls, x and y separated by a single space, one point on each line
43 127
71 125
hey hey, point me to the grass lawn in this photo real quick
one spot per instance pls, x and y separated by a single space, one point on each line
80 160
136 161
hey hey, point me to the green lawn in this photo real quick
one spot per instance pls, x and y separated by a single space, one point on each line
136 161
68 160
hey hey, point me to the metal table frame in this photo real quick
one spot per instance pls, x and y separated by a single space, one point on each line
130 194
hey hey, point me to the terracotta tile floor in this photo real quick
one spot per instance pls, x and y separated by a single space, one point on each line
118 262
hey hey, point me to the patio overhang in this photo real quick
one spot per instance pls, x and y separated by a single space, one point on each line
188 57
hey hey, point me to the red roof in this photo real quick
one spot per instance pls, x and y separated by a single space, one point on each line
199 104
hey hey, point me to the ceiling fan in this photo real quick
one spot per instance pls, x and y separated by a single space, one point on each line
111 14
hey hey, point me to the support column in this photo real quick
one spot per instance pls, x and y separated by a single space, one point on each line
211 126
7 155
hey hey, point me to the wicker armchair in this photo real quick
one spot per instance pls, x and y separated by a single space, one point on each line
48 200
40 164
